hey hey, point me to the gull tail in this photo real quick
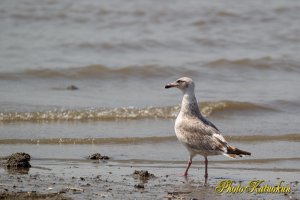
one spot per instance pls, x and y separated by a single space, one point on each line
232 152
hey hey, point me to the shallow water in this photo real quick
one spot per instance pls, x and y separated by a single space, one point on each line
243 57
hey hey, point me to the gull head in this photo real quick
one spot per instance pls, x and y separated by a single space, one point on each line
185 84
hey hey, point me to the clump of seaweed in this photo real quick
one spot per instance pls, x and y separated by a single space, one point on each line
98 156
18 160
142 174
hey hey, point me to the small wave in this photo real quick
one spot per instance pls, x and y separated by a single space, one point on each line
259 63
91 114
226 14
153 139
99 71
32 17
55 141
121 45
210 108
168 112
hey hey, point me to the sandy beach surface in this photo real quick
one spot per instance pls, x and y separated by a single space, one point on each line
90 179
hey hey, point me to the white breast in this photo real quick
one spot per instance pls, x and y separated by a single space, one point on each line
178 132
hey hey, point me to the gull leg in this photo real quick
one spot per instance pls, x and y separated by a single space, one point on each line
206 174
187 168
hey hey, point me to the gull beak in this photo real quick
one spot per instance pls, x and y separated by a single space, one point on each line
170 85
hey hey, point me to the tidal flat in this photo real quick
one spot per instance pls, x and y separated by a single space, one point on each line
135 179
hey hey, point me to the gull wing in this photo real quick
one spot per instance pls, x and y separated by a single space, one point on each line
207 122
202 136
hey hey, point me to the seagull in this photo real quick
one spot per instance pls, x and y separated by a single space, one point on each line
195 132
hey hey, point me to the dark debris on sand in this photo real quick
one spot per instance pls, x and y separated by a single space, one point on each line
98 156
72 87
143 174
18 160
139 186
177 195
31 196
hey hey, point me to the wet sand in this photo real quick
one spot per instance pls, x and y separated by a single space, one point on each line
111 179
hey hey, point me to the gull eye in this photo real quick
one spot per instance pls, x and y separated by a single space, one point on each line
179 81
